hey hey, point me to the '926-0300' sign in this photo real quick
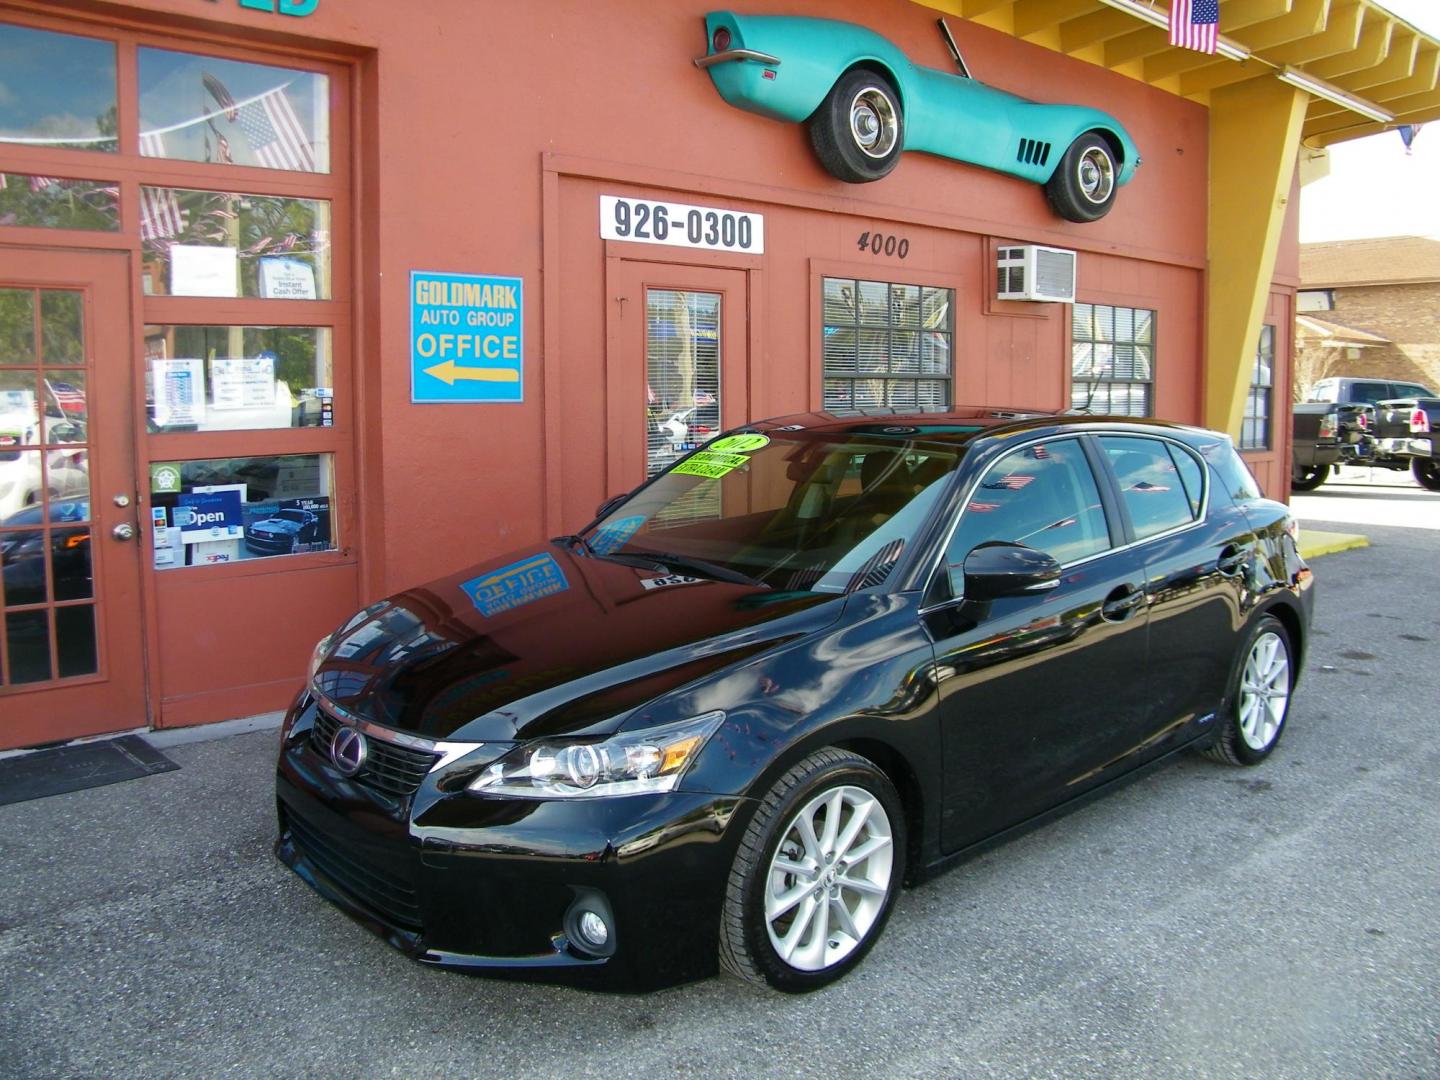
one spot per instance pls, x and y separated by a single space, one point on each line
681 225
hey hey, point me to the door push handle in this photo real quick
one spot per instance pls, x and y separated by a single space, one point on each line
1119 604
1232 560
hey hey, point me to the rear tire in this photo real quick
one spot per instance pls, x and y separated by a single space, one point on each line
1082 187
1426 472
1308 477
858 131
816 874
1259 702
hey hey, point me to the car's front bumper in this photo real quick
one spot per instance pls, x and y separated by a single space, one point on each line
269 545
492 884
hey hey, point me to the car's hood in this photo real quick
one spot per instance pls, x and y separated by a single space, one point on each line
550 641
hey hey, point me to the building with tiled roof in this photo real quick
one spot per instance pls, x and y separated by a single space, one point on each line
1369 308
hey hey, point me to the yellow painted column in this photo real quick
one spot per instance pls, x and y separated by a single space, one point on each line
1254 141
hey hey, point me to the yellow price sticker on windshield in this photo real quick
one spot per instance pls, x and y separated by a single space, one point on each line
706 463
744 443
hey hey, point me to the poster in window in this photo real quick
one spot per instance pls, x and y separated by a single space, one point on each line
201 270
284 278
179 389
242 382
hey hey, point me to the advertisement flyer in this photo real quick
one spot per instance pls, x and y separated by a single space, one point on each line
283 278
179 387
287 527
242 382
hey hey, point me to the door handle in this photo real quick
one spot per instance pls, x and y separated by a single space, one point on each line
123 531
1232 560
1121 603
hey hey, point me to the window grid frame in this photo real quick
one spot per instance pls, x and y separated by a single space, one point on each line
1108 382
1260 394
889 327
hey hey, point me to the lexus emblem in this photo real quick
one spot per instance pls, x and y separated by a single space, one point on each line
348 750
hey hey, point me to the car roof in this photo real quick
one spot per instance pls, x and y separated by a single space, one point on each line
960 425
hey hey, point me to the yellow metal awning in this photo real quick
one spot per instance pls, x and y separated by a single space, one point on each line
1365 69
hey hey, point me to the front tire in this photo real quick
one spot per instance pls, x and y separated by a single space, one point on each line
1082 188
1260 700
1308 477
1426 472
859 129
815 876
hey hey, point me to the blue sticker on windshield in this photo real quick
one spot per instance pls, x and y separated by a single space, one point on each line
516 585
609 537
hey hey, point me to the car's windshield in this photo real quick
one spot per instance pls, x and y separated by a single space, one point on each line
794 510
291 515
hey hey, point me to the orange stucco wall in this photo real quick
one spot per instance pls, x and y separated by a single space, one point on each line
484 135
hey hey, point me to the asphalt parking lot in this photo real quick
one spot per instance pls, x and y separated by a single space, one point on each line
1204 921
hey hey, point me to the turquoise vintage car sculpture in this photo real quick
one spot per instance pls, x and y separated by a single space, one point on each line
864 102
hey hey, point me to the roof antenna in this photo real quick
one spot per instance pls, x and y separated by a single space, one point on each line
954 49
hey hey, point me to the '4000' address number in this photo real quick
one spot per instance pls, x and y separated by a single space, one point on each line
681 225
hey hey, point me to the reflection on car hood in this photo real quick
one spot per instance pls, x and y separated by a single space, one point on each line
550 642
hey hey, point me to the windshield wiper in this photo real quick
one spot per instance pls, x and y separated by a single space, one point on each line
707 569
632 558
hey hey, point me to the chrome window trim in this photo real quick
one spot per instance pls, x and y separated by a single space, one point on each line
1204 512
448 750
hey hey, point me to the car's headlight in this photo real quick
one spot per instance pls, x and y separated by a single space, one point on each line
322 650
630 763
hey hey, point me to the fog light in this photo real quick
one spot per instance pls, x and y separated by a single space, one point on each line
593 930
589 924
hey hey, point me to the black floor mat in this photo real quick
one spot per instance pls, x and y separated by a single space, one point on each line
74 768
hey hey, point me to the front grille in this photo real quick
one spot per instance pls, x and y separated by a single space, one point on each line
381 890
389 767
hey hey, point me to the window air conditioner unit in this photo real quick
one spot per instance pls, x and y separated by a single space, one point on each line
1035 273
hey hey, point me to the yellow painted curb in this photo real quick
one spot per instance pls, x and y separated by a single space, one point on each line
1314 543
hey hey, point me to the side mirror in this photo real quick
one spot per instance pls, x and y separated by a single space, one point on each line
610 504
1000 569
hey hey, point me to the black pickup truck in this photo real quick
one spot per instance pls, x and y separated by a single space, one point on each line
1354 421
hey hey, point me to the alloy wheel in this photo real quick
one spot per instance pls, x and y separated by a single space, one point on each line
1096 172
1264 691
828 878
873 122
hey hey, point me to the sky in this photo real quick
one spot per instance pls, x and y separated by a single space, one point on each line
1374 187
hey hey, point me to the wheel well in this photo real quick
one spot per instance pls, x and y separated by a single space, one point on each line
877 68
898 770
1111 140
1290 619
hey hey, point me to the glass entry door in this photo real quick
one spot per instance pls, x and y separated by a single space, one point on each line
680 375
71 638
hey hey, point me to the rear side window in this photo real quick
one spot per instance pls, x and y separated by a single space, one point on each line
1154 491
1230 470
1411 390
1043 496
1369 392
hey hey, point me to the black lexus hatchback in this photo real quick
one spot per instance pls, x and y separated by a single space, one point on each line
814 660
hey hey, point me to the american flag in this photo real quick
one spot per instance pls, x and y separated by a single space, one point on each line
220 94
275 133
1194 24
66 396
152 144
160 214
1014 481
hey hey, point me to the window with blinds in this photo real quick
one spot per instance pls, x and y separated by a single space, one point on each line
1255 429
887 345
1112 360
